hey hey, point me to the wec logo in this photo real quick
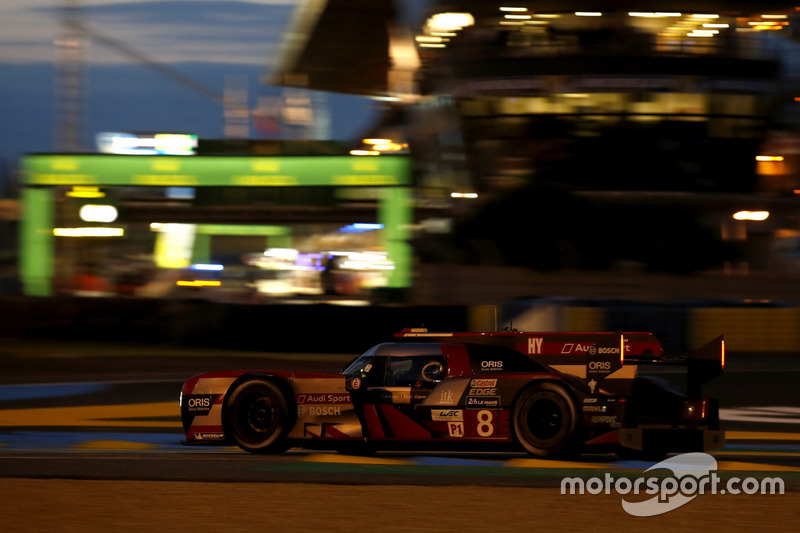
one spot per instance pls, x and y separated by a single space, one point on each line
692 474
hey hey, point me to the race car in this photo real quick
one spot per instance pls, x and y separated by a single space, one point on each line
549 394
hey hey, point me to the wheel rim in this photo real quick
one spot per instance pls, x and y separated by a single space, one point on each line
545 420
544 423
257 417
260 415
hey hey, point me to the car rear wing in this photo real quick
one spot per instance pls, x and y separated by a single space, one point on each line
702 364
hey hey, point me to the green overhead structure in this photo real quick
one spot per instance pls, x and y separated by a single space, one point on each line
207 171
42 172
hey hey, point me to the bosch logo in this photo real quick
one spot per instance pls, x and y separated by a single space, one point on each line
600 365
607 350
594 350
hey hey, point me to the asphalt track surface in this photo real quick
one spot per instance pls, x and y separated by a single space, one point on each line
90 441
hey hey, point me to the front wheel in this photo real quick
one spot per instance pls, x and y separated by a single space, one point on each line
545 421
257 417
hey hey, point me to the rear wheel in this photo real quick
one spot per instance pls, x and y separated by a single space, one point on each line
545 421
257 417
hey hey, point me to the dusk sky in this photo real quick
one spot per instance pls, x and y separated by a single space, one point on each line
203 40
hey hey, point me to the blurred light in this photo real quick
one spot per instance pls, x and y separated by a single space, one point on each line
513 9
376 141
349 303
198 283
704 16
390 147
88 232
774 16
359 227
79 191
588 14
98 213
463 195
653 15
426 39
769 158
367 261
146 144
212 267
281 253
450 21
311 261
751 215
702 33
518 17
180 193
364 152
712 25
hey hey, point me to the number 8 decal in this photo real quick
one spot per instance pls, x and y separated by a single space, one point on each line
485 425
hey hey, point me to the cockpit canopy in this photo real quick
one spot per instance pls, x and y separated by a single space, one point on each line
421 364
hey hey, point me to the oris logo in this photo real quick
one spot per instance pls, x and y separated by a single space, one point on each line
199 402
492 365
600 365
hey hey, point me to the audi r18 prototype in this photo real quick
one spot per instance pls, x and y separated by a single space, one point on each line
545 393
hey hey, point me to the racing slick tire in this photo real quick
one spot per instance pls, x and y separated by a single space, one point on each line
545 421
256 417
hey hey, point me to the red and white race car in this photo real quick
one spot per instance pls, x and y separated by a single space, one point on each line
546 393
